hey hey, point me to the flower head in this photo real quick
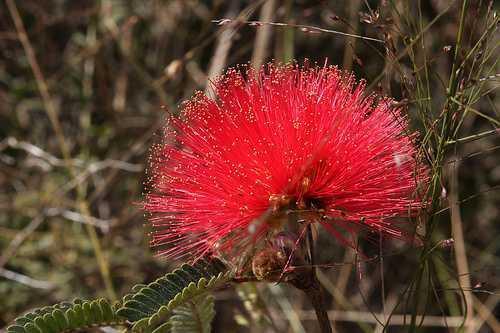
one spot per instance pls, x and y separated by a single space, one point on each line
277 140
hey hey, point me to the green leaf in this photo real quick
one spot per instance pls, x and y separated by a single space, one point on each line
131 314
152 294
163 328
15 329
79 314
72 318
136 288
169 285
42 325
21 321
31 328
145 300
88 316
179 301
108 314
61 319
96 311
49 321
67 316
194 316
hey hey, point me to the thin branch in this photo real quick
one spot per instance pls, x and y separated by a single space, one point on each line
63 146
26 280
485 314
473 137
396 319
19 239
53 161
302 27
103 225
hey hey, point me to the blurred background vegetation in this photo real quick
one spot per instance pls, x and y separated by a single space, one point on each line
85 85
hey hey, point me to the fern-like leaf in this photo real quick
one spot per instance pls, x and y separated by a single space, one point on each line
164 305
67 316
195 315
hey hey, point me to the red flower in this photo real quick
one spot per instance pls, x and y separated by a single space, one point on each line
281 139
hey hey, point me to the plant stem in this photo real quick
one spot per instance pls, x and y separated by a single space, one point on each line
472 137
308 282
310 285
443 138
315 295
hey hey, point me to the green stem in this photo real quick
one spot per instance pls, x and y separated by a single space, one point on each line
473 137
445 127
453 84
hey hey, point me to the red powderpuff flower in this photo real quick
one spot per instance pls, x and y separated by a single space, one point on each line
278 139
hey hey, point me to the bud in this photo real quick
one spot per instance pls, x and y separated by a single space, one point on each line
446 243
268 264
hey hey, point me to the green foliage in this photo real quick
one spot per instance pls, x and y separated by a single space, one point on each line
178 301
195 315
67 316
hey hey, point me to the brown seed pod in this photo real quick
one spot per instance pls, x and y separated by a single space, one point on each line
268 264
